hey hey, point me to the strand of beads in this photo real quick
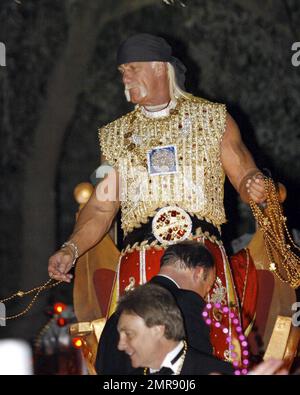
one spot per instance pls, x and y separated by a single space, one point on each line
284 262
239 369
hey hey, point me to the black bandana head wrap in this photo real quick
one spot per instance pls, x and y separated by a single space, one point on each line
145 47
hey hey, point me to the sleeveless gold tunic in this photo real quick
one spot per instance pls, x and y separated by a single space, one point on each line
195 126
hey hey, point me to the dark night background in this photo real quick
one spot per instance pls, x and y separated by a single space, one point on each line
60 84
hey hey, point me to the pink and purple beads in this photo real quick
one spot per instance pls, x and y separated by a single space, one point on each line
239 370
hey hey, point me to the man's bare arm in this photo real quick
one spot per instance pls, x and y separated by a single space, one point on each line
93 223
239 165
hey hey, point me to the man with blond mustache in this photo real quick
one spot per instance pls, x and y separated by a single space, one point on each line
167 162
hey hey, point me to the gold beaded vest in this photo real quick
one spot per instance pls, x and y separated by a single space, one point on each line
195 127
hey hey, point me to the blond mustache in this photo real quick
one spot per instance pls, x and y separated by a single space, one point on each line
142 89
131 86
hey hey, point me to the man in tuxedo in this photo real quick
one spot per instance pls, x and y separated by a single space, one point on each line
151 333
188 272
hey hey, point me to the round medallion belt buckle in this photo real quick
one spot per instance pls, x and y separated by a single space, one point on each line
171 225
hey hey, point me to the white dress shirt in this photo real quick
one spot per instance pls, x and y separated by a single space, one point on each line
167 362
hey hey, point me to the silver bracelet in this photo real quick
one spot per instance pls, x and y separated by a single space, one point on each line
74 248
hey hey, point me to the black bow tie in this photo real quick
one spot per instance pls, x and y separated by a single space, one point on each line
167 371
164 371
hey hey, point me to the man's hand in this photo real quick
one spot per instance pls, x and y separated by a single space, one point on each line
93 222
256 189
60 264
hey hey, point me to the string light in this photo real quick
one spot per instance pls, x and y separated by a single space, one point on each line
61 321
59 308
77 342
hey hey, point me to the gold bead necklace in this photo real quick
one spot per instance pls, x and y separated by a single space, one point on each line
47 285
280 247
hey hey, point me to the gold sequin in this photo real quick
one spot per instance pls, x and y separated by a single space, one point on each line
197 187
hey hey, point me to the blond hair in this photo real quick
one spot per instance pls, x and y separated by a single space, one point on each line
175 91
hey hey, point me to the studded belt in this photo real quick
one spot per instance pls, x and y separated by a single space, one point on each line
166 233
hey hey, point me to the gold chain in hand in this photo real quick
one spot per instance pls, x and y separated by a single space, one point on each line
20 294
276 237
